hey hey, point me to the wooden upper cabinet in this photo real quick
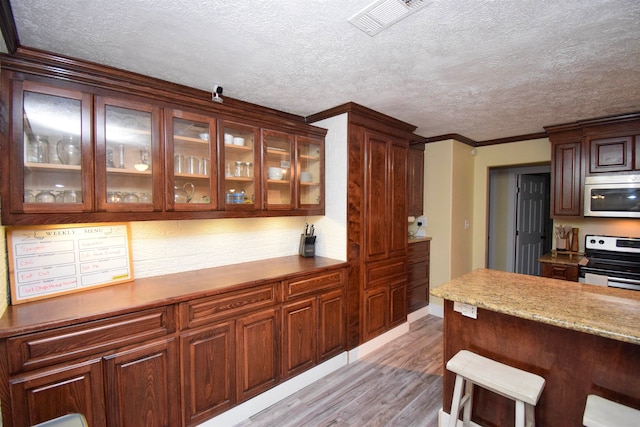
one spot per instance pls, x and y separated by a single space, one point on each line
567 177
415 180
129 162
50 152
278 171
191 161
611 154
239 156
97 145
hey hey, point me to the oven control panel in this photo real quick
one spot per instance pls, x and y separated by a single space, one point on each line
613 244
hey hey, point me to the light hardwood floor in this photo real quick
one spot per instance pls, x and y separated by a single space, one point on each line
398 385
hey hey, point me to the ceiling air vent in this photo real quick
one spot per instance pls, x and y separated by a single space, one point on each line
383 13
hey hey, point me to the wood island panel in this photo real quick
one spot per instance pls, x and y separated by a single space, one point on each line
582 339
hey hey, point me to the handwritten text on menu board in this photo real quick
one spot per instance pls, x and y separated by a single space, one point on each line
50 260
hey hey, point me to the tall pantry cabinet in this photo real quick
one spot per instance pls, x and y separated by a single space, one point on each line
377 211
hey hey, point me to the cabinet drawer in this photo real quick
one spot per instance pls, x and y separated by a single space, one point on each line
313 283
206 310
418 273
379 273
418 250
57 345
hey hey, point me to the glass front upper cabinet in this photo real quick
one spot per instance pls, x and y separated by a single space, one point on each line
240 155
310 161
191 161
278 169
128 166
55 134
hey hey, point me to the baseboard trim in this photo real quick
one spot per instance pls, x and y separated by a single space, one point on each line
247 409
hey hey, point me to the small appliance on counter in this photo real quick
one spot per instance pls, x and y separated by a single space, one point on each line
308 241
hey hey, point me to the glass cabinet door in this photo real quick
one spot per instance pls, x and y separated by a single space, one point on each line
310 161
55 134
240 159
191 161
278 169
128 166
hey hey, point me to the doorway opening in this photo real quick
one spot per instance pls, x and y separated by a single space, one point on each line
520 225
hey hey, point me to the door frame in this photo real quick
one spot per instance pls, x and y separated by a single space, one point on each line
512 182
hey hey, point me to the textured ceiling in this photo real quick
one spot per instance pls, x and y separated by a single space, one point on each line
480 68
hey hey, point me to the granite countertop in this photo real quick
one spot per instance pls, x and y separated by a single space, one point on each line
572 258
607 312
414 239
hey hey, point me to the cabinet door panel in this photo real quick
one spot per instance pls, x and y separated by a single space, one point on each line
376 198
279 171
398 197
398 304
376 309
191 161
48 394
567 178
240 159
299 337
415 180
332 327
611 154
142 386
126 132
208 359
52 149
257 353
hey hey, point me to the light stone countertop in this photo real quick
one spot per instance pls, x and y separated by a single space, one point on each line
607 312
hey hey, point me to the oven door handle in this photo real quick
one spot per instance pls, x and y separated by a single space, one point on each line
628 281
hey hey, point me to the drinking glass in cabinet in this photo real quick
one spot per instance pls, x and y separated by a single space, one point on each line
128 144
191 161
239 157
52 151
309 162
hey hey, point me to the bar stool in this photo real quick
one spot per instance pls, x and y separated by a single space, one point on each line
523 387
600 412
69 420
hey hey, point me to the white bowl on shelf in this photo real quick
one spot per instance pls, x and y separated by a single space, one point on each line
238 140
275 173
228 138
305 176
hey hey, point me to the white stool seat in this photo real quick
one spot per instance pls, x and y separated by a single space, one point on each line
69 420
520 386
601 412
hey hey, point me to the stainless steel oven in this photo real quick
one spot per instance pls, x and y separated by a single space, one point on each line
612 261
616 196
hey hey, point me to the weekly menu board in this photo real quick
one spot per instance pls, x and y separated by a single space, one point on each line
46 261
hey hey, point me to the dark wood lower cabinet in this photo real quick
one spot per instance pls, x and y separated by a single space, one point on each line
178 364
560 271
257 352
49 393
208 371
418 267
142 385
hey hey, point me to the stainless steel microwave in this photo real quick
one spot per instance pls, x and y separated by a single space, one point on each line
616 196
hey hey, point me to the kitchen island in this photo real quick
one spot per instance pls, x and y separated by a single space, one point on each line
582 339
